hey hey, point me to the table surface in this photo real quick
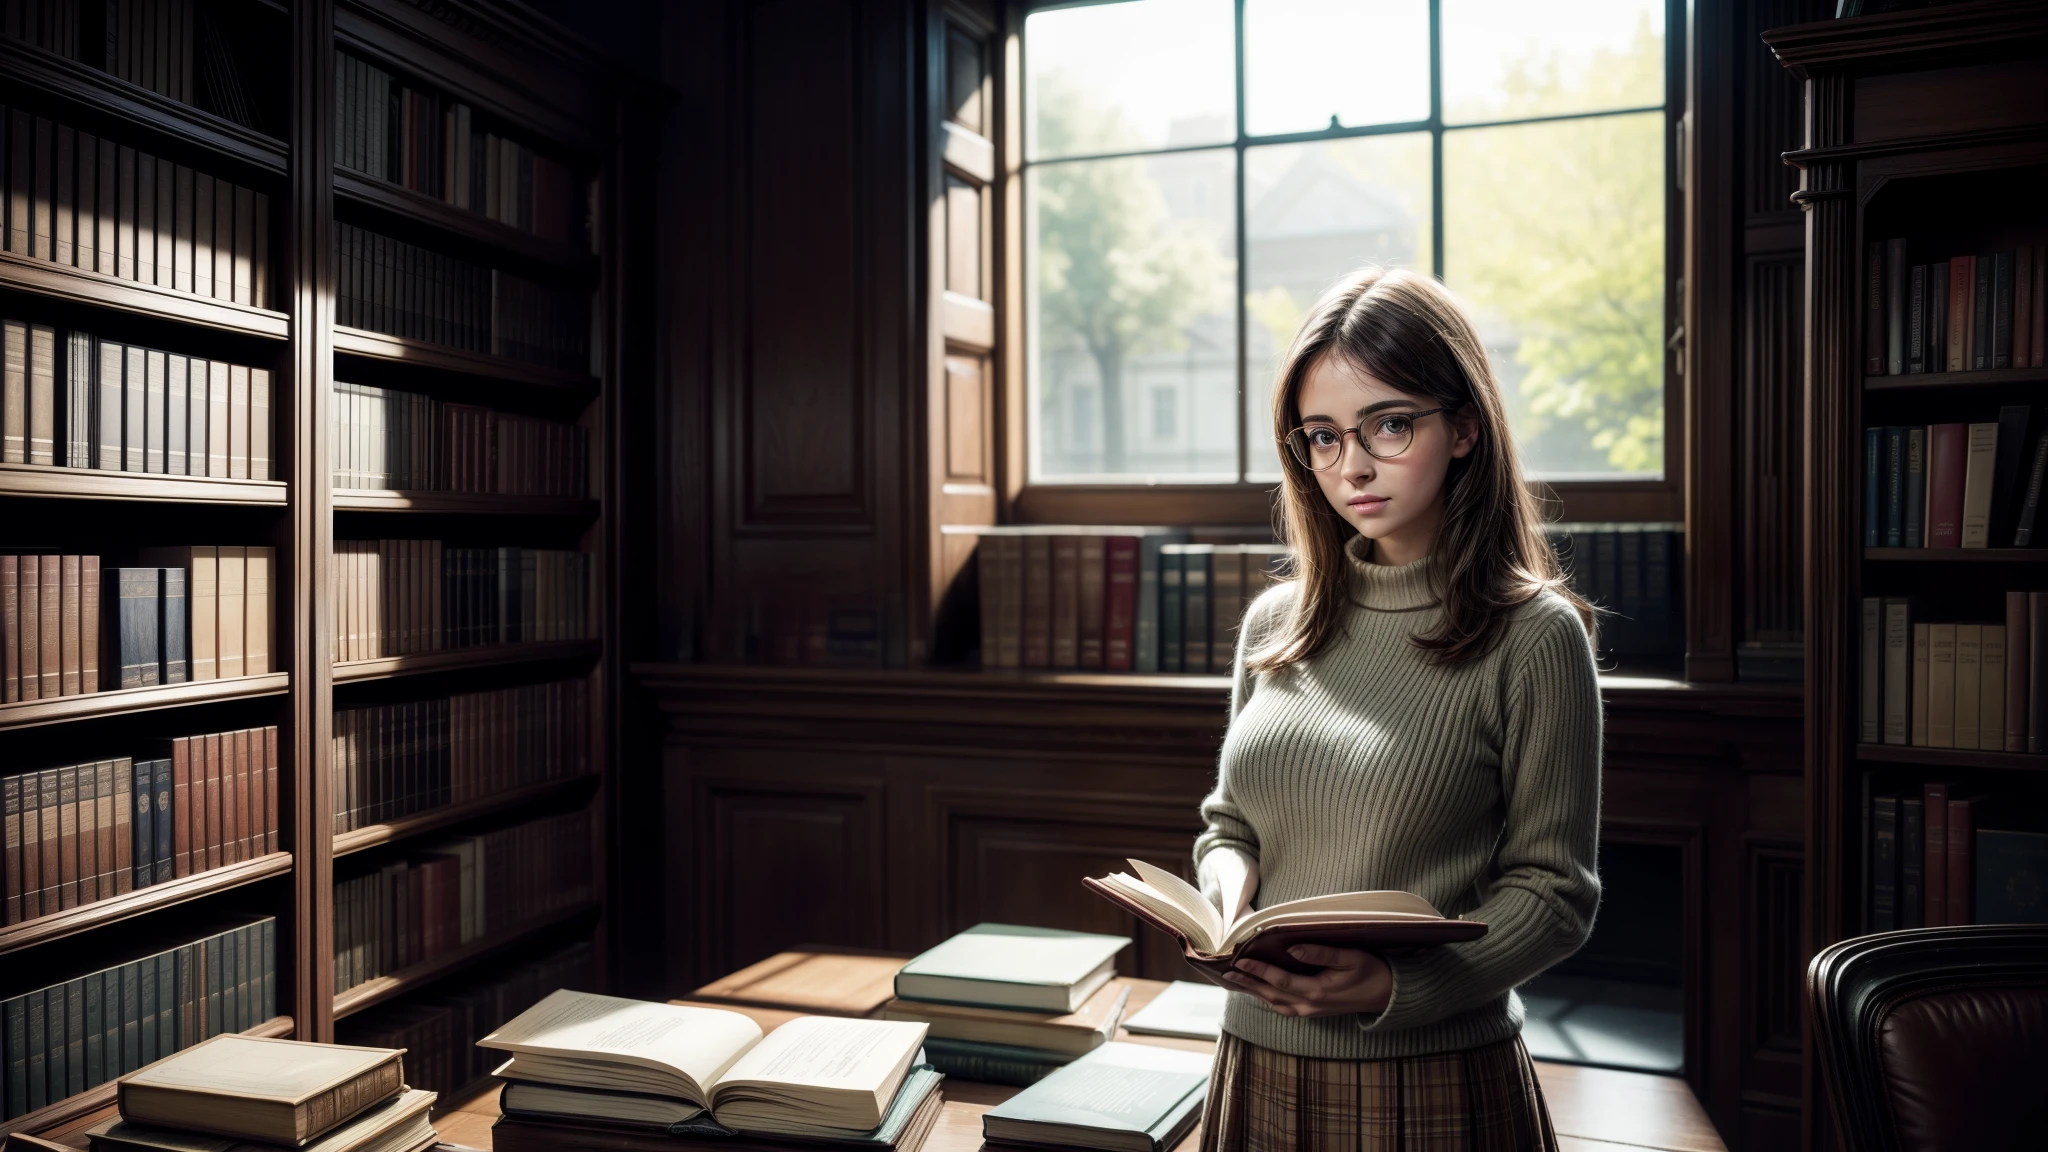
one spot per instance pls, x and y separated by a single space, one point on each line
1593 1109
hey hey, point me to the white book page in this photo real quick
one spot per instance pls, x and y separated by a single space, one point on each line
1186 897
1188 922
828 1052
697 1044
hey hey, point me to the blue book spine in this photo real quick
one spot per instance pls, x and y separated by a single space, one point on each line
14 1018
143 831
1894 486
95 1031
1172 601
174 635
1915 520
1873 450
162 857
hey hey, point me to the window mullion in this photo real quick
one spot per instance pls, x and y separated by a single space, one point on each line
1243 283
1436 140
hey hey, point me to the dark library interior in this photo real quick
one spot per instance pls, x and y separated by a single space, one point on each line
500 496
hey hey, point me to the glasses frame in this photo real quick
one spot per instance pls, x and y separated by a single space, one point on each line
1358 430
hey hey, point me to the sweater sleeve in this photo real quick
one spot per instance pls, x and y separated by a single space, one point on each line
1540 908
1225 825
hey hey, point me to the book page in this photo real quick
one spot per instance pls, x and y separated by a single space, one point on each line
1185 896
697 1044
829 1052
1365 907
264 1069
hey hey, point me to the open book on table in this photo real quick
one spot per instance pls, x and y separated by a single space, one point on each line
1369 921
816 1076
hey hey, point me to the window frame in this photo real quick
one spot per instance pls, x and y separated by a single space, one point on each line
1238 502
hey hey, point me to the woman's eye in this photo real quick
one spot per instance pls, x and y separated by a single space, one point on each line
1322 437
1394 426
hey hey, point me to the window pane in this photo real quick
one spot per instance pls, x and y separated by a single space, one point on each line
1132 268
1316 64
1130 76
1312 213
1554 235
1505 59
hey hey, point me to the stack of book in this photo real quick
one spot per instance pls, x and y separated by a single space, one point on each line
1932 863
1635 572
76 1034
89 832
1132 1097
396 287
1955 485
262 1094
79 201
400 597
583 1064
403 441
1007 1004
1962 314
1974 685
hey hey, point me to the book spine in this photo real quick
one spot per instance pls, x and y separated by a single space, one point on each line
1195 614
158 812
89 834
42 395
1914 534
1962 861
72 665
173 631
1991 708
10 854
1092 559
2001 310
1066 602
1984 267
1921 647
2016 671
1172 604
1977 474
90 586
1226 589
10 628
1895 306
51 611
2037 672
1961 277
31 845
1894 487
142 827
1121 603
1969 703
1916 312
1873 309
1947 471
29 618
1036 623
1941 686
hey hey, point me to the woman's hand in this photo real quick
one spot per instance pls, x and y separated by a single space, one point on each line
1350 981
1229 878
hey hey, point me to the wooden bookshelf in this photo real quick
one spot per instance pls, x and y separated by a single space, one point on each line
458 659
528 80
382 988
376 835
85 917
1902 145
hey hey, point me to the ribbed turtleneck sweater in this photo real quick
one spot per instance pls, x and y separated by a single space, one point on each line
1475 786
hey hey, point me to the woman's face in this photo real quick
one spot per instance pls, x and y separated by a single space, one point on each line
1396 503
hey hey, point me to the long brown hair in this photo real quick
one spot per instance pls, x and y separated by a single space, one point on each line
1490 554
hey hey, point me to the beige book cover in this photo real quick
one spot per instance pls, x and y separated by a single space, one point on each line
1977 473
259 570
1941 685
256 1088
1969 669
232 610
1991 693
1919 683
400 1124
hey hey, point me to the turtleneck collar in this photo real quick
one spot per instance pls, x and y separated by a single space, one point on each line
1384 587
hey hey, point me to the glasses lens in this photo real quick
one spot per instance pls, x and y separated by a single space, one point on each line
1390 436
1316 446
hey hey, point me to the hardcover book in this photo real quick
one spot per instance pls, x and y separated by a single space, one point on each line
1070 1033
399 1124
1134 1097
1011 966
253 1088
1376 921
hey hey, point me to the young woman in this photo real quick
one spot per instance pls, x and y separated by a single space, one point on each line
1414 709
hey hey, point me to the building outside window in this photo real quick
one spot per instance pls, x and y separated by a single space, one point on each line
1186 204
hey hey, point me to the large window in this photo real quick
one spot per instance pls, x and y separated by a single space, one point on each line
1198 171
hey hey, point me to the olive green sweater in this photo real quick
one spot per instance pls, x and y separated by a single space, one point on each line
1476 786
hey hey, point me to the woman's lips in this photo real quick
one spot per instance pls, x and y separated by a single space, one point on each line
1368 504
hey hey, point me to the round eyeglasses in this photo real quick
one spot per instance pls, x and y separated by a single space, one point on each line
1384 436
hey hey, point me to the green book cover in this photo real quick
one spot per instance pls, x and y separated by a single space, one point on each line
1127 1089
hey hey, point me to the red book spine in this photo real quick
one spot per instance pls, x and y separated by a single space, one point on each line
181 805
270 789
1948 453
232 774
1120 608
1962 872
1962 280
209 805
1934 878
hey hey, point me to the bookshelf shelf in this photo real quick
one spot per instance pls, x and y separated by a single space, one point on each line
475 227
404 980
373 835
41 480
101 913
72 1111
1953 757
57 282
1959 555
461 503
31 713
453 659
104 95
1983 378
399 350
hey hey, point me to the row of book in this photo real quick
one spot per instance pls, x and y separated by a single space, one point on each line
1933 862
439 1029
1954 485
403 441
205 615
421 141
395 760
391 286
1956 685
1142 599
85 202
88 832
68 399
455 892
1957 315
401 597
74 1035
174 48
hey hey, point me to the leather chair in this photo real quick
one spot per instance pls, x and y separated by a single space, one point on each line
1935 1038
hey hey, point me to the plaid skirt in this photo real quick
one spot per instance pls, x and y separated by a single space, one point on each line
1481 1100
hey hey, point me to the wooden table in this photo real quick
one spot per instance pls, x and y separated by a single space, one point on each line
1593 1109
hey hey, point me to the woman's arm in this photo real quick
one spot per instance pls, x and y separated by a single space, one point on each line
1542 904
1226 824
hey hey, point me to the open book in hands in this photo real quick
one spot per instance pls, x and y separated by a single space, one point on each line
815 1076
1368 921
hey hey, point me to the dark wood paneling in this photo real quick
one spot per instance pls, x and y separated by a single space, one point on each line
1770 451
804 408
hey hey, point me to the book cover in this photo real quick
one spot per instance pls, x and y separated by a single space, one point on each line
1091 560
172 628
1894 487
1195 614
2037 671
1884 862
2022 305
1142 1096
1969 704
1991 707
1962 277
1984 267
1947 471
1895 295
1871 664
1962 839
2017 636
1120 602
1873 493
1066 601
1172 606
2001 310
2009 456
1914 533
1912 861
1977 477
231 610
142 828
1941 685
1921 655
1874 309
